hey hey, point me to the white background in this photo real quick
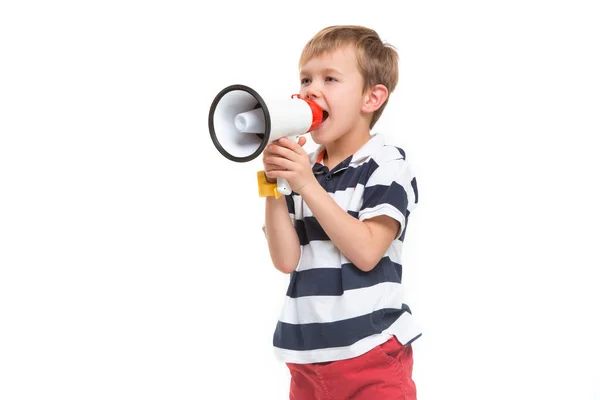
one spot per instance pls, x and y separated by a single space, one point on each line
132 263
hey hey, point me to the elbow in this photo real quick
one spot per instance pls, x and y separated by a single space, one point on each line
365 264
366 267
285 268
287 265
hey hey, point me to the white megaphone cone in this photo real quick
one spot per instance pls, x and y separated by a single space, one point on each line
242 123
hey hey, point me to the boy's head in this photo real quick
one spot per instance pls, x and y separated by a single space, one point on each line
375 61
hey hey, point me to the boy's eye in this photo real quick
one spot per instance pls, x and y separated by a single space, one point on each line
330 79
304 81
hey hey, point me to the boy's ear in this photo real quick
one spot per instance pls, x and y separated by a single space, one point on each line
375 96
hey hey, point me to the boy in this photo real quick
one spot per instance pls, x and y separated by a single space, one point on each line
344 331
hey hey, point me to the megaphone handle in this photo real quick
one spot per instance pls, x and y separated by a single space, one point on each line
283 186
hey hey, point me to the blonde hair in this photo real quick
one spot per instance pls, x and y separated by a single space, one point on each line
377 61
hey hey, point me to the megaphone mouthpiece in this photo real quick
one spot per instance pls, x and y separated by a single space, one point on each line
250 121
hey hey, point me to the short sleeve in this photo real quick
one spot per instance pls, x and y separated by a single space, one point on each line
390 190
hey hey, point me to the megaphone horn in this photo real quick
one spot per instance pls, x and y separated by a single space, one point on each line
241 123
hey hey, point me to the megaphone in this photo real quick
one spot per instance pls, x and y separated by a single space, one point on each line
241 124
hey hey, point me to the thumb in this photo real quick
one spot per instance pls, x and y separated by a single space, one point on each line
301 140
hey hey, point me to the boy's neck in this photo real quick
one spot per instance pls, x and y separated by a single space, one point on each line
344 147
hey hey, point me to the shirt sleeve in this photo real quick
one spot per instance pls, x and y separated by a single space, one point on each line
390 190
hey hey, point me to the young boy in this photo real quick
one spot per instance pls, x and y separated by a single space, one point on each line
344 330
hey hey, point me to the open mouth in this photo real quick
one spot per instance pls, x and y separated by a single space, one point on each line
325 115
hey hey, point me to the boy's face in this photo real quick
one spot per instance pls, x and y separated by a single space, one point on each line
334 82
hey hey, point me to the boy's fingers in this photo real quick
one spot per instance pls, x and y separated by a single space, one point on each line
283 149
281 163
290 144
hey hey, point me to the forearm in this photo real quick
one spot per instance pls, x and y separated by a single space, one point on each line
352 237
284 245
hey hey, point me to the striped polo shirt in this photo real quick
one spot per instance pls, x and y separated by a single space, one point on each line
333 310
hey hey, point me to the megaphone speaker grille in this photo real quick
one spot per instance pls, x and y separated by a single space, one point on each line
237 144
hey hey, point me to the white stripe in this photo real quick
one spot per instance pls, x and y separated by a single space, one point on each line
394 170
355 203
355 302
298 206
349 199
394 252
332 353
321 254
405 328
386 154
324 254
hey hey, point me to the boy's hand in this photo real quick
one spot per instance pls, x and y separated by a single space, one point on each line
269 167
286 159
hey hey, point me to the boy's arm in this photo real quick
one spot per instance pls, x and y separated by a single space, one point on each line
284 245
387 199
362 242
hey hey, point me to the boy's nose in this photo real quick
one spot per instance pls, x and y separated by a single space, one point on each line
313 91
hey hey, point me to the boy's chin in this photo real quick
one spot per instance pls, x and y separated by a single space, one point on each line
318 137
322 136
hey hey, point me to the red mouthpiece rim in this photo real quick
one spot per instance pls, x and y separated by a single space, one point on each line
317 111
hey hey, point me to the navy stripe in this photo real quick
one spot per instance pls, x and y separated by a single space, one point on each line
334 334
380 194
413 339
301 232
289 200
403 234
352 176
413 183
309 229
333 281
347 178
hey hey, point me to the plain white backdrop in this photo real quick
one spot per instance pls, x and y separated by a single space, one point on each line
132 262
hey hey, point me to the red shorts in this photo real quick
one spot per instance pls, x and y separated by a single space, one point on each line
384 373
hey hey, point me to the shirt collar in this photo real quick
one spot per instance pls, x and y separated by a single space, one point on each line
376 142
